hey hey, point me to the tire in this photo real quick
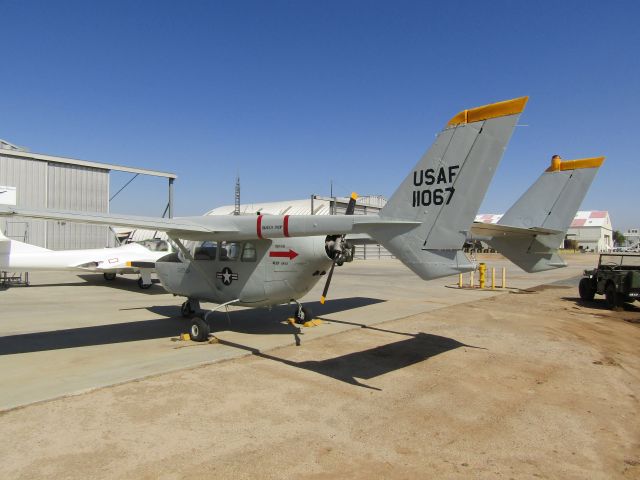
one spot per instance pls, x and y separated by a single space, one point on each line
199 331
185 309
586 290
109 276
303 315
142 285
611 296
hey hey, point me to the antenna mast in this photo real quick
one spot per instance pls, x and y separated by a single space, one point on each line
236 210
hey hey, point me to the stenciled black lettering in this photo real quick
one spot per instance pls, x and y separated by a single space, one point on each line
415 198
442 176
426 197
428 176
451 191
438 199
417 182
453 172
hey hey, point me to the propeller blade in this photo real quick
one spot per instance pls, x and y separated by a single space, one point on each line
351 207
326 285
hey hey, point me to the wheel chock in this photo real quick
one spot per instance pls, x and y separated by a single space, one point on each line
213 340
184 337
312 323
291 320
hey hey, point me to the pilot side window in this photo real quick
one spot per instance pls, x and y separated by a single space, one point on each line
206 251
249 252
229 251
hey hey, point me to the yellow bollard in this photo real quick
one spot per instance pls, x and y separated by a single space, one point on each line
482 276
471 279
493 278
460 280
504 277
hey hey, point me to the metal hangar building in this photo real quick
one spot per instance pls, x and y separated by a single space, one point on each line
38 181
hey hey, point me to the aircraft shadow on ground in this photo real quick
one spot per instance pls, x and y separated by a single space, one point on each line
120 283
371 363
600 304
250 321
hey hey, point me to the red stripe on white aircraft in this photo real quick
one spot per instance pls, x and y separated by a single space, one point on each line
259 226
285 225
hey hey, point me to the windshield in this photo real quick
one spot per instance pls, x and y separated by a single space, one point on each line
620 260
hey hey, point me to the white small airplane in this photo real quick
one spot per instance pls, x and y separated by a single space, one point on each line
133 258
264 260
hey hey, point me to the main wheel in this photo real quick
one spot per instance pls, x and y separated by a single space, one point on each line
611 296
186 310
302 315
109 276
143 285
200 330
586 290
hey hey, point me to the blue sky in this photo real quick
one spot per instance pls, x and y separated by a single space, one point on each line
293 94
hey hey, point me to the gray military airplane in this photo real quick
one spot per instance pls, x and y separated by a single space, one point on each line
265 260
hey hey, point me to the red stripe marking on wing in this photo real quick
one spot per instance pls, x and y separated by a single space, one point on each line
259 226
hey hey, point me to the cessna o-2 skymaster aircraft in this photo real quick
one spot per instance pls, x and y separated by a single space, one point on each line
138 258
266 260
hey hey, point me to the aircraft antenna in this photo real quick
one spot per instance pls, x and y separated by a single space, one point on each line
236 210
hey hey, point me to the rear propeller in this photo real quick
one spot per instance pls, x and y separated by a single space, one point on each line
340 250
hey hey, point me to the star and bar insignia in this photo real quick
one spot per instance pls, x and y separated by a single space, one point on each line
227 276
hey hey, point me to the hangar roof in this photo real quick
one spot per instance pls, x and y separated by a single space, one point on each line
6 150
584 218
321 206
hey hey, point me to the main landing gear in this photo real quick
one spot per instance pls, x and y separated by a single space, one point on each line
200 329
109 276
189 308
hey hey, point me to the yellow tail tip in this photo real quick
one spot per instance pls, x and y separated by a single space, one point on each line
493 110
354 195
558 164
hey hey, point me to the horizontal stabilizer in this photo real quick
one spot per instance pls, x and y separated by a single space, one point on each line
479 229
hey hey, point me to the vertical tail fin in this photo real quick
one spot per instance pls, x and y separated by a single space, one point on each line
550 203
445 189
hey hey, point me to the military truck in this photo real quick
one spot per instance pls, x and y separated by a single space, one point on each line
617 277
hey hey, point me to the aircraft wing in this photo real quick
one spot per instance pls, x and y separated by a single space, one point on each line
480 229
227 227
187 227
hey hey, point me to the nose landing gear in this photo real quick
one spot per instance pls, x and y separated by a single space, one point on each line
302 314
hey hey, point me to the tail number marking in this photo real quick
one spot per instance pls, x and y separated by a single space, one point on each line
439 196
434 196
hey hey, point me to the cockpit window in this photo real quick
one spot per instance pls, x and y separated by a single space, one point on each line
229 251
155 245
206 251
249 252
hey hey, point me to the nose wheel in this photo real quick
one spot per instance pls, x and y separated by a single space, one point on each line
302 314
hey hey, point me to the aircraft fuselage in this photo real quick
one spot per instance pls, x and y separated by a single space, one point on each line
257 273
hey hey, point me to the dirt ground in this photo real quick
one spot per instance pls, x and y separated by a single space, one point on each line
529 385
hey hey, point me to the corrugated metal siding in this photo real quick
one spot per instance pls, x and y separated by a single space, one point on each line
30 179
73 187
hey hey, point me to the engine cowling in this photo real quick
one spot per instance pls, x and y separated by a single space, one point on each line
338 249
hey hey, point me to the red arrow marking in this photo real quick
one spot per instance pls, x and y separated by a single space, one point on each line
290 254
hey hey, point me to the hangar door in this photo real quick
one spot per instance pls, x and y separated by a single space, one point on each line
79 188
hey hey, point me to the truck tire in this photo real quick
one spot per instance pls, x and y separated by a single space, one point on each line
586 290
611 296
